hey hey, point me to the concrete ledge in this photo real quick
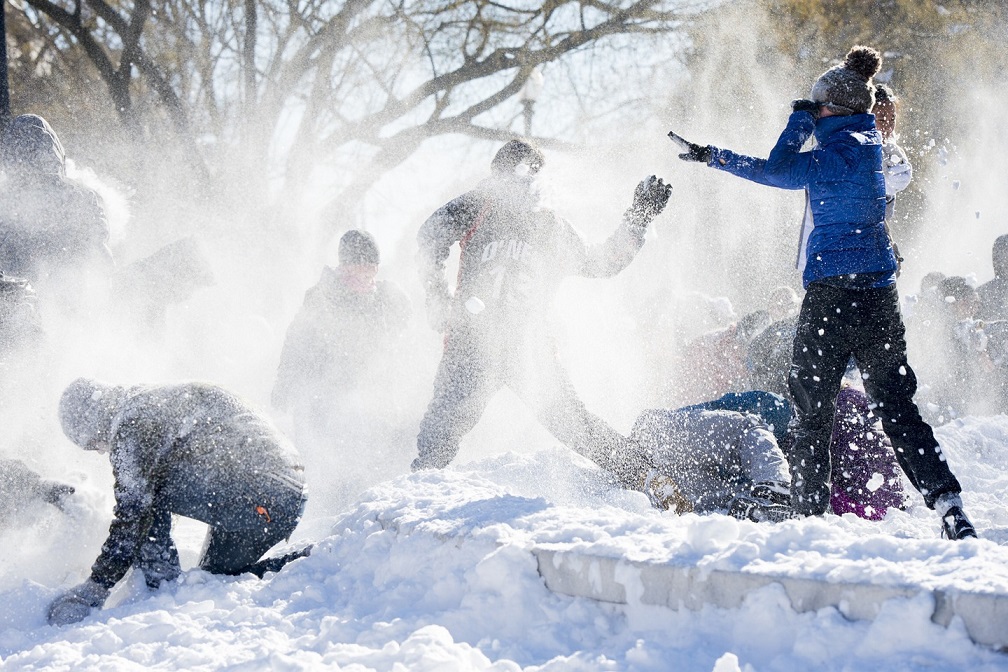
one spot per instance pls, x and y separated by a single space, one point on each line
985 615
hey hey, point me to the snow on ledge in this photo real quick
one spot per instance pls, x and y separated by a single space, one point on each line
622 581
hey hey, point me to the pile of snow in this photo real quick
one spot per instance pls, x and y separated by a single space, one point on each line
436 570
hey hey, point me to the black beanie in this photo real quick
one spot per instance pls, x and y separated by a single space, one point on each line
513 154
358 247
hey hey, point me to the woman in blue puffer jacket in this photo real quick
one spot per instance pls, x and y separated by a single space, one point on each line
851 306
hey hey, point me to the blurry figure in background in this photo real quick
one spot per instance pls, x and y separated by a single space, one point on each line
194 450
708 461
340 363
896 168
851 304
717 362
769 356
169 276
514 254
52 231
22 487
961 381
20 327
994 293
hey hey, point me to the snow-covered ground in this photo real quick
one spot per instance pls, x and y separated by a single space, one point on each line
435 571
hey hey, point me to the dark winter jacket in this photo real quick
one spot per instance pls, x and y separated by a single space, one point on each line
513 256
846 190
167 440
48 225
336 337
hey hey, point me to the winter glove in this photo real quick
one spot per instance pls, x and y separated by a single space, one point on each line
804 105
691 152
772 491
77 603
650 199
55 493
159 562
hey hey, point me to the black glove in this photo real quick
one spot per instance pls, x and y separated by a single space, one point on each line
691 152
650 197
804 105
75 604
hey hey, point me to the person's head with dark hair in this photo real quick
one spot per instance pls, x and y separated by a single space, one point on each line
999 255
30 148
847 88
358 260
961 296
358 247
885 109
931 280
517 157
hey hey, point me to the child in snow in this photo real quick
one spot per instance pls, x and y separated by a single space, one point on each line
191 449
851 306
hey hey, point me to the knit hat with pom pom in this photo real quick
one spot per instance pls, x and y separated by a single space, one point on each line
847 88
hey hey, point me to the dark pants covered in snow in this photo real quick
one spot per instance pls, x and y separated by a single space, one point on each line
836 323
472 371
245 519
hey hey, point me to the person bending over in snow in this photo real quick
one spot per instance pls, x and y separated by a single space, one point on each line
709 461
513 256
851 306
192 449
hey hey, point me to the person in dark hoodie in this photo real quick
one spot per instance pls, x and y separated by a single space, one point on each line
347 322
514 254
851 305
53 231
191 449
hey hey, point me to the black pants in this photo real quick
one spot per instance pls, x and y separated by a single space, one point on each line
245 519
472 370
834 325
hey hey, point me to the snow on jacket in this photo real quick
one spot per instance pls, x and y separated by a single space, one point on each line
47 223
336 337
165 437
843 177
711 455
513 256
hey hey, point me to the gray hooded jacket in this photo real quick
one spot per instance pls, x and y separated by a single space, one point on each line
194 449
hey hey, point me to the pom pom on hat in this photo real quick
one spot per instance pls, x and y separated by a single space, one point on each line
847 88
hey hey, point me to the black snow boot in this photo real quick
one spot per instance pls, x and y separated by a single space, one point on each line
955 525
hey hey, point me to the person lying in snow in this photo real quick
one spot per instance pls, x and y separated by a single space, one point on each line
708 461
192 449
21 487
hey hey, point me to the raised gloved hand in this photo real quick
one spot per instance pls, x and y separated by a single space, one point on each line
650 198
691 151
75 604
804 105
